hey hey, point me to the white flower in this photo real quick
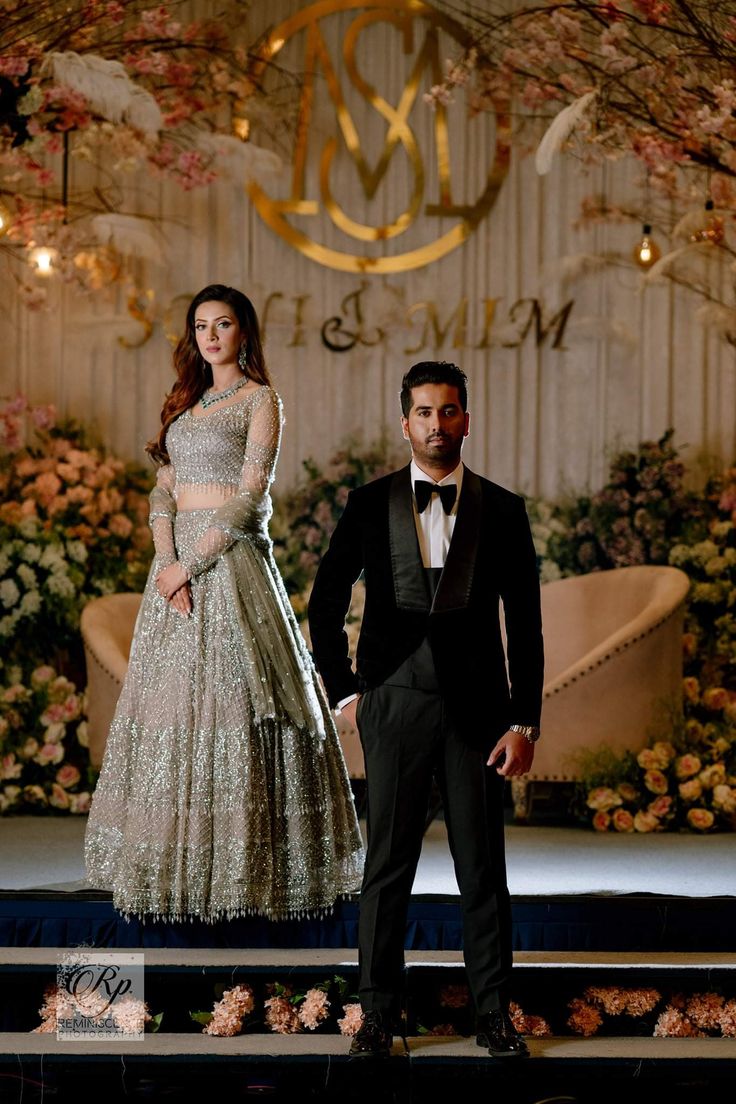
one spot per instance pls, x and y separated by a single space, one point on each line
28 527
8 623
30 603
52 558
83 734
27 576
549 571
704 551
9 593
679 555
77 551
716 565
31 553
4 562
55 732
59 583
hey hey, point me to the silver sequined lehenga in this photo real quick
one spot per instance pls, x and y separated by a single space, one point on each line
223 790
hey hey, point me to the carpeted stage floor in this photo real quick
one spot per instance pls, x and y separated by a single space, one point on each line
46 853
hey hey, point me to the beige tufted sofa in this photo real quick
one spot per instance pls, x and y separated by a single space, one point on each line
613 652
107 631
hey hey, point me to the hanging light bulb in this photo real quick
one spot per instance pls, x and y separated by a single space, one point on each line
42 259
646 251
712 231
4 219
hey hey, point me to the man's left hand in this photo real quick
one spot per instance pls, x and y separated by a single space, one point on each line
516 753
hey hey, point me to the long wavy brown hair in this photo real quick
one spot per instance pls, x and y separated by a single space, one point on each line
193 373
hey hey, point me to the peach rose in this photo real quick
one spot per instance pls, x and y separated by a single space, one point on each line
30 747
715 698
79 494
68 473
691 790
68 776
80 803
687 765
701 819
603 797
623 821
646 822
9 768
661 806
689 645
121 526
602 821
627 791
648 759
59 797
693 729
656 782
714 775
49 753
691 688
664 752
42 675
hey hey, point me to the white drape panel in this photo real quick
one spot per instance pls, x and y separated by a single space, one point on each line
542 420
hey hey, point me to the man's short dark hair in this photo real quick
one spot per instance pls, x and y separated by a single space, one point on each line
433 371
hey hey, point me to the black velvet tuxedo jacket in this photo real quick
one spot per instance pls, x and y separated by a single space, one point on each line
491 557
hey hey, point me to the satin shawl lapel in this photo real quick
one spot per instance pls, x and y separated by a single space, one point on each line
456 580
410 584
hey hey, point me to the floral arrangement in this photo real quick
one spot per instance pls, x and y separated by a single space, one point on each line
130 1016
284 1011
700 1014
44 763
118 87
686 777
305 517
643 79
73 525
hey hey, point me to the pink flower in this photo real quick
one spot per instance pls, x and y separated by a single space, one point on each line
715 698
9 768
49 753
715 775
602 821
352 1021
656 782
41 675
691 689
314 1008
59 797
44 417
687 765
704 1010
690 790
728 1019
80 803
229 1012
584 1019
603 797
120 526
661 806
646 822
700 819
68 776
623 821
281 1016
673 1024
627 791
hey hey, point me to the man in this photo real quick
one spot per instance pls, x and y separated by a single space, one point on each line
438 546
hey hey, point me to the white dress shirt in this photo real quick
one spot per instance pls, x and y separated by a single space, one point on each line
434 526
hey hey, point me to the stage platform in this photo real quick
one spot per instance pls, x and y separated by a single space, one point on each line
571 890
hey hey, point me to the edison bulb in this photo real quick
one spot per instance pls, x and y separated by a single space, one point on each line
43 259
646 251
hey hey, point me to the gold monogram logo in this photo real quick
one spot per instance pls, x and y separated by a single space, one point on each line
429 203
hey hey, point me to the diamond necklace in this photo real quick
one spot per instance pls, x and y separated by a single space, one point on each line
211 397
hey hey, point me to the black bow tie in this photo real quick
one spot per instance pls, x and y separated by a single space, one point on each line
424 491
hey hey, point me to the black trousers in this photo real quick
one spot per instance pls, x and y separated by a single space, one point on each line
407 738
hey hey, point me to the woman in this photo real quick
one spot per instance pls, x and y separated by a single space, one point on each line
223 790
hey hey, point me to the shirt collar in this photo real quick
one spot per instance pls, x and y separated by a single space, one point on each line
455 477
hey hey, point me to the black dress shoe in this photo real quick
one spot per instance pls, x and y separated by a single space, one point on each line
496 1031
374 1038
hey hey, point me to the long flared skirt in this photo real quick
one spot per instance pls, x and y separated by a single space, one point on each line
223 790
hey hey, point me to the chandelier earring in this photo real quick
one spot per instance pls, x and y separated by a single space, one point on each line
243 357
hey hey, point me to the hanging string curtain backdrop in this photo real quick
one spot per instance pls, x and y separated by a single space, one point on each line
391 235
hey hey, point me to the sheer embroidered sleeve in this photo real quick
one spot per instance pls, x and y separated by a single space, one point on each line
161 515
247 512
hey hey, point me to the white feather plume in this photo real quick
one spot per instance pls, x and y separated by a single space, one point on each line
560 130
719 317
239 159
572 266
663 267
129 235
107 88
